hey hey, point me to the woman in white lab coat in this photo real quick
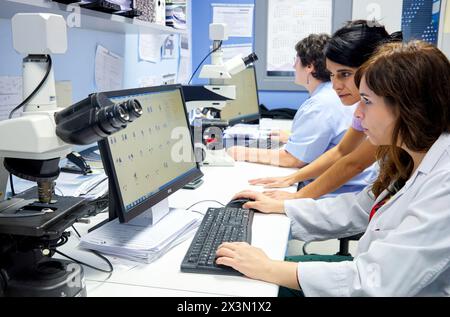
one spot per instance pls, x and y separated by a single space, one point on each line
405 214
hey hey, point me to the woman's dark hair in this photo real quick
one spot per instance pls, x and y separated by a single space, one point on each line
354 43
413 80
310 51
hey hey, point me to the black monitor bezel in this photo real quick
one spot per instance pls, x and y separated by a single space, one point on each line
116 200
252 117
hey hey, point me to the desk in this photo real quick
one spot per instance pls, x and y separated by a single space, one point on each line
163 277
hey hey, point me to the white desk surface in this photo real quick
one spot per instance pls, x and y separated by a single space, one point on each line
163 276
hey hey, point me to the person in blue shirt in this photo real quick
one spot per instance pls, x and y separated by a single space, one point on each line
321 121
348 166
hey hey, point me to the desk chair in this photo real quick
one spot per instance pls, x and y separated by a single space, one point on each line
343 242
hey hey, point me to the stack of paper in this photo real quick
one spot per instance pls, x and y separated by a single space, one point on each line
143 243
246 131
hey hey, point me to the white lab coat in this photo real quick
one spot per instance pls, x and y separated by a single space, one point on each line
405 250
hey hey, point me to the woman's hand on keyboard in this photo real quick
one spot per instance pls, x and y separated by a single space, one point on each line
261 202
273 182
244 258
280 194
254 263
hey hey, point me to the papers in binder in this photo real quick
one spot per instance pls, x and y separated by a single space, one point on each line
143 243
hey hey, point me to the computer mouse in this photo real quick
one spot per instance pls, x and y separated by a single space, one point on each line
238 203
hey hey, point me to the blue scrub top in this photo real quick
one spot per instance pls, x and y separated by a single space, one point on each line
319 124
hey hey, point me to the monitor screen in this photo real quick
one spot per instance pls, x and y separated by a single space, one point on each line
245 108
153 156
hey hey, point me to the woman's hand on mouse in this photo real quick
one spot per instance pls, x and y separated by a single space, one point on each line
261 202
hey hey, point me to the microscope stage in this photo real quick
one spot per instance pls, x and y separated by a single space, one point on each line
51 218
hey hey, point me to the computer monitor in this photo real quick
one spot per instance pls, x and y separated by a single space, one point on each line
245 108
153 156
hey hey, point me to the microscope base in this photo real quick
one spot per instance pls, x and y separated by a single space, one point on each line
49 278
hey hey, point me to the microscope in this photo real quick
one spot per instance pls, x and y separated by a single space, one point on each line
33 223
204 102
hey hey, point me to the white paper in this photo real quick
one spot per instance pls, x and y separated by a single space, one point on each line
142 243
246 131
184 66
149 81
169 79
10 85
108 70
184 46
233 50
239 18
184 73
63 93
8 103
10 94
290 21
150 47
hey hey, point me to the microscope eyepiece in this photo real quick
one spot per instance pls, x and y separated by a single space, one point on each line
94 118
112 118
133 108
250 59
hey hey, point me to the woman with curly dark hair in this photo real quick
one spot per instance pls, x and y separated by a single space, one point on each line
321 121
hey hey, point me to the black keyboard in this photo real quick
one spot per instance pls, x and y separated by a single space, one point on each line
219 225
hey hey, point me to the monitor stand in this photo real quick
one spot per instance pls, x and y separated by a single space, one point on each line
152 215
147 218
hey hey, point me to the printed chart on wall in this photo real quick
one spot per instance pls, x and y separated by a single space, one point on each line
10 94
289 21
237 17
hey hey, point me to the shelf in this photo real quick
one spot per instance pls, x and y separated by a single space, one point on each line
88 19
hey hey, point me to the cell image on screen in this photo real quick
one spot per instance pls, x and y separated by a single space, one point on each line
246 102
154 151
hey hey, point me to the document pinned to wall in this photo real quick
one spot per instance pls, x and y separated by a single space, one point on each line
108 70
233 50
150 47
169 78
10 94
63 93
238 17
289 21
184 66
150 81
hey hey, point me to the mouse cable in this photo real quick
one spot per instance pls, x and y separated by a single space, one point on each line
203 201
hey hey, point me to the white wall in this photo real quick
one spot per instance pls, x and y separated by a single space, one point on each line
388 12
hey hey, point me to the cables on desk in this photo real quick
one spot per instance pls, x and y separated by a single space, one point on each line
111 269
204 201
